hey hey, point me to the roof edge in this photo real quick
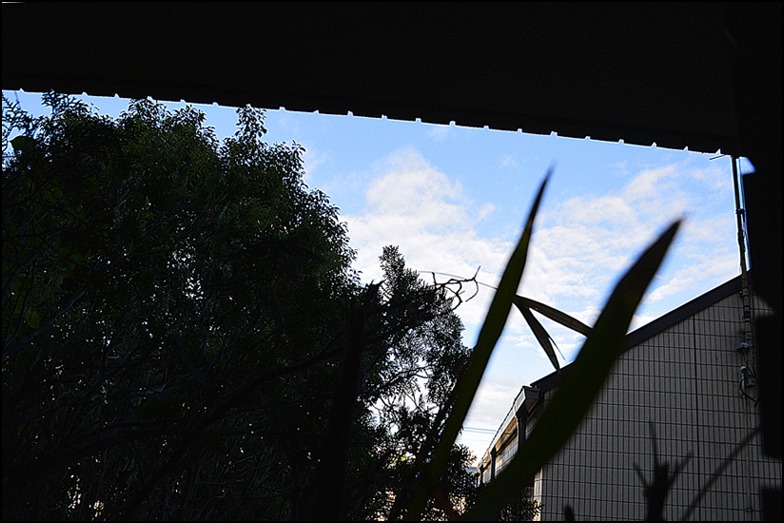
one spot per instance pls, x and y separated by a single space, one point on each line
658 325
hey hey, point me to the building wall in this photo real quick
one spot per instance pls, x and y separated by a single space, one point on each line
503 454
685 381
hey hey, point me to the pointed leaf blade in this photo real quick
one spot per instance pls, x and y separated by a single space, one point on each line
467 384
580 385
554 314
541 334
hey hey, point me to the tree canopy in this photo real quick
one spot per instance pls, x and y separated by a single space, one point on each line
184 336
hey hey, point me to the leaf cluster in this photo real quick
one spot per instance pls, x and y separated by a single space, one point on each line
183 334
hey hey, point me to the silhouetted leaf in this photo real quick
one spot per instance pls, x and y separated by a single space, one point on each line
465 390
23 144
541 334
554 314
580 386
32 318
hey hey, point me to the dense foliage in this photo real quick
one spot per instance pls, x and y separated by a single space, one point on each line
184 336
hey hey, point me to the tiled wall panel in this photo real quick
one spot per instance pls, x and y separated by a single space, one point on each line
684 381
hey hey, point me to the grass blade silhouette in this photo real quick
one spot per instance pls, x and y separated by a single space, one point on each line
540 333
580 386
466 387
554 314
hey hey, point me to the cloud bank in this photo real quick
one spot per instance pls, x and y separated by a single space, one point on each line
579 248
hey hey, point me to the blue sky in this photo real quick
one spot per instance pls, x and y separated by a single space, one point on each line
454 200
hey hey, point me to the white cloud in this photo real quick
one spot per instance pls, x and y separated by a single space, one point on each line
313 159
439 133
508 162
584 244
285 121
640 320
413 205
620 168
485 211
610 209
694 276
716 178
648 183
579 249
489 408
710 229
410 189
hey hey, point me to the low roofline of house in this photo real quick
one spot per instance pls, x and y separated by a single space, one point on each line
633 338
658 325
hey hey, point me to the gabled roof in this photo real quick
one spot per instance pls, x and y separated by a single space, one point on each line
659 325
529 395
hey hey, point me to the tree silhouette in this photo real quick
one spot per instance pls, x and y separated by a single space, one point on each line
184 336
